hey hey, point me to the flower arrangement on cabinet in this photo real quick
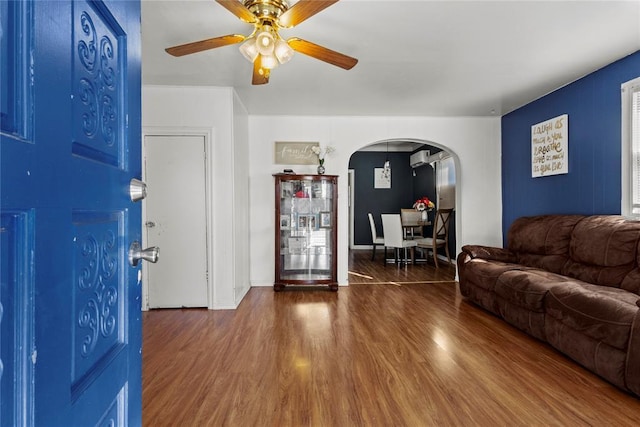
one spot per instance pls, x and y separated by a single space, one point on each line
321 153
423 204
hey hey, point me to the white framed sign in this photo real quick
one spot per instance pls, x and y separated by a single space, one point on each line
550 147
380 180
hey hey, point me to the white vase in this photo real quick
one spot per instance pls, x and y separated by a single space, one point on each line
425 215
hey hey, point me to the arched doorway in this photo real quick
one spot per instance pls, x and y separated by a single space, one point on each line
418 168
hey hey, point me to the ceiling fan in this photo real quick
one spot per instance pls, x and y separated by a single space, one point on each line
264 46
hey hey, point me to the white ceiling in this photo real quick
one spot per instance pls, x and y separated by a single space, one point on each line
416 58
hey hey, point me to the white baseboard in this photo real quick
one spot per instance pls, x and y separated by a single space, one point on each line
362 247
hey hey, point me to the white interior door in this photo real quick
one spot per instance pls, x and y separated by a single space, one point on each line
175 220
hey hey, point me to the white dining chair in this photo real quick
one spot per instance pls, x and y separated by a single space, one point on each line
377 240
394 237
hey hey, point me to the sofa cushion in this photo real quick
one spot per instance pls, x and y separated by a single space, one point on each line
603 250
602 313
483 273
542 241
527 288
631 281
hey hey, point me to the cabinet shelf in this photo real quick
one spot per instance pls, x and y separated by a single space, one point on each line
306 226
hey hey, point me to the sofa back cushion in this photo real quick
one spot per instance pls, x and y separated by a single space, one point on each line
542 241
603 250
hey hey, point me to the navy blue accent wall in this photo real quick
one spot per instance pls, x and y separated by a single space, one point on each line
424 183
378 201
593 184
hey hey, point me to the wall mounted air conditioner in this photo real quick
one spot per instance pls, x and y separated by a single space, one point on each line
420 158
441 155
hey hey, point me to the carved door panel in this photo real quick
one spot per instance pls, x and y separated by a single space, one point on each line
70 144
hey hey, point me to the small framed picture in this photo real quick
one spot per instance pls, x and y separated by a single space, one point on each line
285 222
303 221
297 245
307 222
325 219
286 190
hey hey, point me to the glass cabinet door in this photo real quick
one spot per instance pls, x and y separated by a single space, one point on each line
306 230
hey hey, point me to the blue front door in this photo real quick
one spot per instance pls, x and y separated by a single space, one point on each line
70 349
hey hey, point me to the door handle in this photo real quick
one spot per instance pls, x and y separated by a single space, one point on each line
137 254
137 190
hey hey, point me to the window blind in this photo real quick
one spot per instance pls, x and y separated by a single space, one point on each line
635 146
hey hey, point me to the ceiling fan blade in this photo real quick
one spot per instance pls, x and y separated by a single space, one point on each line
199 46
322 53
303 10
238 9
260 74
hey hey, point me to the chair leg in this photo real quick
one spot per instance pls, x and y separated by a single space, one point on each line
373 255
446 250
413 256
435 255
384 260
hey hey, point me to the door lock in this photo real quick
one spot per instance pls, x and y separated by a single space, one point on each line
137 254
137 190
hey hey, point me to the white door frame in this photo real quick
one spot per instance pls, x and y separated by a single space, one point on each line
351 183
207 133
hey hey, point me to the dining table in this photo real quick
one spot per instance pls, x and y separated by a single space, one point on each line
409 226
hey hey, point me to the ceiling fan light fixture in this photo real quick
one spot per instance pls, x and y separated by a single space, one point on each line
249 49
265 48
283 51
269 61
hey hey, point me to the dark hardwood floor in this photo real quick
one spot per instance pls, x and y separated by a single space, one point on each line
398 347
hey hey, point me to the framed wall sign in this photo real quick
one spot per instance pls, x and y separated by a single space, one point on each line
295 153
550 147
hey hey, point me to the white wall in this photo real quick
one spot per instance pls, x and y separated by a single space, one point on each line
474 142
241 199
215 109
242 164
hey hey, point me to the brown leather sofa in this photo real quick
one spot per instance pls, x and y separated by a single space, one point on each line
570 280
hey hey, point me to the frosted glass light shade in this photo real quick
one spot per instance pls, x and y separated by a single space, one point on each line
283 51
265 43
269 61
249 49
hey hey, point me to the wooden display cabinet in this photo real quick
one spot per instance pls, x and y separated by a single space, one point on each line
306 230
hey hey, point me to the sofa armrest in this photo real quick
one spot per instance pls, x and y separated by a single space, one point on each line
632 369
489 253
